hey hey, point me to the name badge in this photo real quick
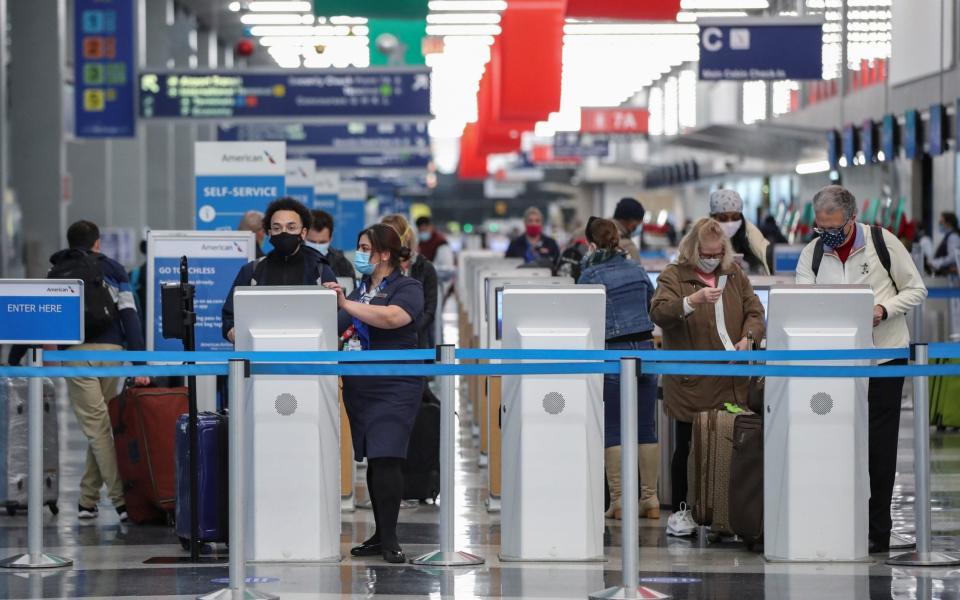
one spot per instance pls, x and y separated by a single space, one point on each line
353 344
380 295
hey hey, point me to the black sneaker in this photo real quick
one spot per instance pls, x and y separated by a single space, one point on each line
85 513
122 513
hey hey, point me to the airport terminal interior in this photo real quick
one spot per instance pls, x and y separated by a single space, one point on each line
358 298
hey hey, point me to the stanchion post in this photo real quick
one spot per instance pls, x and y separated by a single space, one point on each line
35 558
923 556
447 555
630 488
237 590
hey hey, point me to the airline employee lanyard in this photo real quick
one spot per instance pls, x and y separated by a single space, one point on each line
360 340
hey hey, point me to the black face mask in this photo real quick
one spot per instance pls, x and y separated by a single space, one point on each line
286 244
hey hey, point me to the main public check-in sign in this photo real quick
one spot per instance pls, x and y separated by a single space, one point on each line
331 94
41 311
761 49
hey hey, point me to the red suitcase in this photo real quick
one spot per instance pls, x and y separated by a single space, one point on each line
144 433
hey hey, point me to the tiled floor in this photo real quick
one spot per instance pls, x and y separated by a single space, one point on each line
110 557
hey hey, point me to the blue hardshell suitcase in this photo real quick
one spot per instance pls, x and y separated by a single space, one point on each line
213 509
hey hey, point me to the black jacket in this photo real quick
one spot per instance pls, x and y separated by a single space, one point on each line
340 265
423 271
314 268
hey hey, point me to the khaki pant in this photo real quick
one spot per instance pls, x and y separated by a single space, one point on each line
89 397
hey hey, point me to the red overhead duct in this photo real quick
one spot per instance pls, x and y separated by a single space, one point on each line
494 135
631 10
473 164
528 73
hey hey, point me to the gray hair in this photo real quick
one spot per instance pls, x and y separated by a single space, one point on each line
834 197
533 210
252 221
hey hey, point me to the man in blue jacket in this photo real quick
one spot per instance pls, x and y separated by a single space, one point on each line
289 263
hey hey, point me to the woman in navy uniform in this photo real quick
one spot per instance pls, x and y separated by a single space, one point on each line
381 314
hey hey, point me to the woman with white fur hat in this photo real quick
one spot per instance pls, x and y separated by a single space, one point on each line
726 207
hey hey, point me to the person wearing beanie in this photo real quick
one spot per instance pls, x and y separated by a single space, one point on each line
628 216
726 207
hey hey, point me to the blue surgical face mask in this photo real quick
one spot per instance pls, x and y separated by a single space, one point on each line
361 262
321 248
424 236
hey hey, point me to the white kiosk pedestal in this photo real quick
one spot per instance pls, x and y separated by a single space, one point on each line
293 457
552 504
816 484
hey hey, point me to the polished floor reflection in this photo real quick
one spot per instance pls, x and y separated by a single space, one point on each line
111 559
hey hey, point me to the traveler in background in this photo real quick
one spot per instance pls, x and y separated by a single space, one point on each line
726 207
287 264
253 221
533 246
895 293
318 238
628 327
433 245
138 283
944 261
685 308
381 314
771 231
628 216
89 395
421 269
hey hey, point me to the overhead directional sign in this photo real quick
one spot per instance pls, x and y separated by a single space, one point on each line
571 144
614 120
765 48
41 311
331 94
394 160
343 138
103 68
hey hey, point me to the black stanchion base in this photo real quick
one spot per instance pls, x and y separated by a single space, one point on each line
42 561
925 559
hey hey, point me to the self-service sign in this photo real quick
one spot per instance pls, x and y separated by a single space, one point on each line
235 177
761 49
41 311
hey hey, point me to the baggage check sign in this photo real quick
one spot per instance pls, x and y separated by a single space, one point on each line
41 311
235 177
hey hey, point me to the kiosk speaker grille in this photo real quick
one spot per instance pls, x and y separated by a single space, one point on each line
554 403
286 404
821 403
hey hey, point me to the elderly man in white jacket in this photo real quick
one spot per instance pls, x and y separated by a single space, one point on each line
850 255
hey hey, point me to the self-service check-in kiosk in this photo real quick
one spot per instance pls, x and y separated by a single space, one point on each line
293 456
552 503
816 486
492 316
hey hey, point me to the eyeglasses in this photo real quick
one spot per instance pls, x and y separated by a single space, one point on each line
711 256
727 217
833 231
289 228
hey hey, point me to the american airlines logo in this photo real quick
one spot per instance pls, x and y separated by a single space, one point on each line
245 158
217 247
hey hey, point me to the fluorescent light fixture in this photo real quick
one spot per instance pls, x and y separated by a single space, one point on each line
311 41
301 7
360 30
691 17
630 29
811 167
234 6
724 4
467 5
464 18
276 19
463 30
342 20
299 30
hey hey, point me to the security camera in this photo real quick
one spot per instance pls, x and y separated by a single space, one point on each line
390 46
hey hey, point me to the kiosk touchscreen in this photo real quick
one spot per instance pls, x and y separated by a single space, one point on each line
293 428
482 290
815 478
786 257
472 295
552 499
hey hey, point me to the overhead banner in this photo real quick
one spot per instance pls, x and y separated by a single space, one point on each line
41 311
103 65
570 144
300 180
345 202
343 138
337 95
615 120
235 177
213 258
393 160
766 48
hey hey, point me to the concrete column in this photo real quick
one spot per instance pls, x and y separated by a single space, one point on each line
184 40
158 19
37 125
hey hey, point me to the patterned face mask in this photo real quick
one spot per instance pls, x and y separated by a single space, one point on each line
834 238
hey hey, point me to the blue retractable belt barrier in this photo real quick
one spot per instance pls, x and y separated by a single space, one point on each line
723 356
944 350
212 357
132 371
943 292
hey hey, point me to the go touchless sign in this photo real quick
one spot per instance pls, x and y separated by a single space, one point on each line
41 311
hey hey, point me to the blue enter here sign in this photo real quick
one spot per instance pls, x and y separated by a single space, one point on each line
41 311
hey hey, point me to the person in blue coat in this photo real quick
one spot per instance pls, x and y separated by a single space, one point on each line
381 314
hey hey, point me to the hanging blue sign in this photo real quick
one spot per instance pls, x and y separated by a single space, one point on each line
343 138
571 144
936 130
868 141
339 94
103 68
833 149
850 144
235 177
912 145
41 311
761 49
890 138
393 160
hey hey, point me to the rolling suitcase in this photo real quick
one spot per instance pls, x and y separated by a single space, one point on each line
421 472
144 429
13 445
212 508
746 479
709 472
945 399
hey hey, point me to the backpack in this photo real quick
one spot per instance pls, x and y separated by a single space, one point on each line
99 306
879 244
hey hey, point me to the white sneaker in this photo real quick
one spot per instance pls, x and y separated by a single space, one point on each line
680 523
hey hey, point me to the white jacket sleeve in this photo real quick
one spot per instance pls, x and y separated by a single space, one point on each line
912 291
805 266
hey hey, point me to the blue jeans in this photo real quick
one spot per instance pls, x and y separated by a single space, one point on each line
646 402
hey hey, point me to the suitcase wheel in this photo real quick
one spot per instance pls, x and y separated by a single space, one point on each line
12 510
54 508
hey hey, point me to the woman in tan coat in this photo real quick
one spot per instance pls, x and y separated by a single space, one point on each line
685 308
